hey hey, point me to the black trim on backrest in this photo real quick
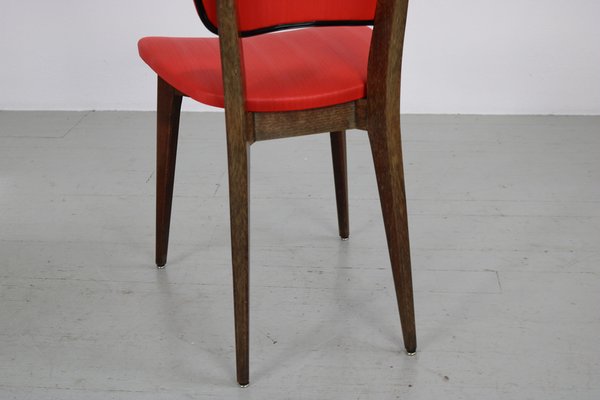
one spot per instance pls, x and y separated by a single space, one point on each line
211 27
204 17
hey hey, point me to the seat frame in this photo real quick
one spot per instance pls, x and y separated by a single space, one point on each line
378 114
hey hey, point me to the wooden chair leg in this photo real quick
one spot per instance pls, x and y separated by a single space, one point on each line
238 163
167 129
340 175
387 157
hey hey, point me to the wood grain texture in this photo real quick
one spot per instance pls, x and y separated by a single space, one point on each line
383 88
167 130
277 125
238 165
340 175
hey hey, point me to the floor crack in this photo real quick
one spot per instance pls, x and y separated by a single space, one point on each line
76 124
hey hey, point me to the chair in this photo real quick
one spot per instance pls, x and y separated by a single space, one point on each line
332 75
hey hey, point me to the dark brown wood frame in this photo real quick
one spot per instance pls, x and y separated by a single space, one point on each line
378 114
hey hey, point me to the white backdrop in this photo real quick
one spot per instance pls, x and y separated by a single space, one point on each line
461 56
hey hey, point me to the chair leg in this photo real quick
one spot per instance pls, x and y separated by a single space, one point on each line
387 157
167 129
340 175
238 160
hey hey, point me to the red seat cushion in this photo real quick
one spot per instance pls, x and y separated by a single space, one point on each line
292 70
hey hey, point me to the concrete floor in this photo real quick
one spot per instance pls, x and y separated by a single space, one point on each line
505 225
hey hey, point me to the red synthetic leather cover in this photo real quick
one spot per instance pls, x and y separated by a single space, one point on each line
292 70
257 14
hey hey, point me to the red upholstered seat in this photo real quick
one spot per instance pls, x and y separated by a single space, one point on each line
291 70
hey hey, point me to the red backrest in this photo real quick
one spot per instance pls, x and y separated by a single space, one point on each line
259 16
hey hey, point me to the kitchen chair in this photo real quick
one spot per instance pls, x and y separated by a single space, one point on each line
333 74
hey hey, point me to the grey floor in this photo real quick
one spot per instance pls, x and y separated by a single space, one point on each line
505 225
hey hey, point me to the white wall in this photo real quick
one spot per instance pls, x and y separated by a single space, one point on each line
461 56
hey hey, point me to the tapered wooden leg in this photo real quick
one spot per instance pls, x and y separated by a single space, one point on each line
238 160
340 175
387 157
167 129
